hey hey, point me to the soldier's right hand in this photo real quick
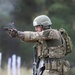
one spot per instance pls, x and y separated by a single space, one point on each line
12 32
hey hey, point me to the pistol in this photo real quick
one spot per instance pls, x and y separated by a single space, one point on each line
10 26
7 28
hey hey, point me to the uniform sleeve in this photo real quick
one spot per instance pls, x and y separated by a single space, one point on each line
29 36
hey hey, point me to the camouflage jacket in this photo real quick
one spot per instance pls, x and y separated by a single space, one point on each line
30 36
49 42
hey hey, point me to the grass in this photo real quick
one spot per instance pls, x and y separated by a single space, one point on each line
23 71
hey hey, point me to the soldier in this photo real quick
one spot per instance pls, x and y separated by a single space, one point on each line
52 46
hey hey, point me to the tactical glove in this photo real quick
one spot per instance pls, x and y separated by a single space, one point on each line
13 32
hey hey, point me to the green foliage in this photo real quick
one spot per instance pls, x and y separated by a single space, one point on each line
73 70
58 7
58 22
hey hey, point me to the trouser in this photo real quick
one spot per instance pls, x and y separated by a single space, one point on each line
55 67
47 72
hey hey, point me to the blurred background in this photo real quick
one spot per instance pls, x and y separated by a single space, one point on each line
22 13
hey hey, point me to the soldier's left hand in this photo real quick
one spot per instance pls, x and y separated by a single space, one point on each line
12 32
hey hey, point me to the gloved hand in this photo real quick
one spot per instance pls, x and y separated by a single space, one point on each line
12 32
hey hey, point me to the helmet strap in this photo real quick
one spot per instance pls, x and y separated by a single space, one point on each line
46 27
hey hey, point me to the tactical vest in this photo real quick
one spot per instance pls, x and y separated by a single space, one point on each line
52 47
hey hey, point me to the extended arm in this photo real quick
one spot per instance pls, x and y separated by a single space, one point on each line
30 36
27 36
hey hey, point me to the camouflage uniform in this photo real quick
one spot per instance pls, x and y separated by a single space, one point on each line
51 48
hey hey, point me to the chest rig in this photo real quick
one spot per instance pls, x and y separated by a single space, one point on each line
53 50
51 47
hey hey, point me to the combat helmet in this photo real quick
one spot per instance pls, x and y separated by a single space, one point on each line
42 20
